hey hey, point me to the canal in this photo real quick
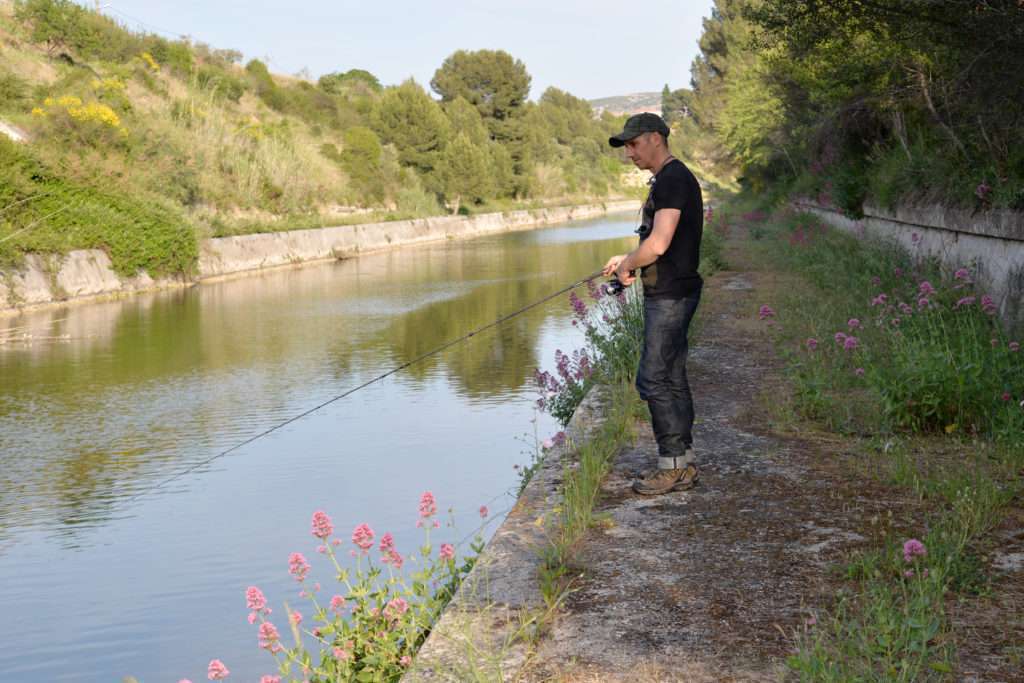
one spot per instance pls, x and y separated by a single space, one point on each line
125 550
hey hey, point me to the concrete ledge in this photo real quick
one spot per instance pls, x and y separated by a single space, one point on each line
482 633
86 274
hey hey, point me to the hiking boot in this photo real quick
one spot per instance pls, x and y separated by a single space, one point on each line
662 481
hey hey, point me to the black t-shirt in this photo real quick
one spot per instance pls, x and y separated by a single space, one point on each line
674 274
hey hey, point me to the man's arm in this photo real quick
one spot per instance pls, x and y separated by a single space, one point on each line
665 223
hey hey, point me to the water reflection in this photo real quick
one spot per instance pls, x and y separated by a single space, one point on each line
146 386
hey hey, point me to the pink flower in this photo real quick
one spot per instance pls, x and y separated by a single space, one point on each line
578 307
296 617
406 660
341 654
395 608
925 288
268 636
387 543
362 536
982 190
923 302
483 512
269 678
850 343
906 309
447 551
961 274
859 372
909 574
558 438
880 299
1006 396
1014 346
547 444
913 548
184 680
765 312
322 527
395 560
217 671
812 343
254 598
895 322
988 305
898 272
337 603
876 280
297 566
428 506
853 323
915 238
966 301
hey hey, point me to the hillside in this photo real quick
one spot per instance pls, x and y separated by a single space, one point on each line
141 145
628 104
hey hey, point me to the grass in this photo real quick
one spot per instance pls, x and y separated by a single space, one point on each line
929 395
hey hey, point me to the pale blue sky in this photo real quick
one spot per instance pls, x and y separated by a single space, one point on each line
592 48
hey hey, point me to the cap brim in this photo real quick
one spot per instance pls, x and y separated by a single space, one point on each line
621 139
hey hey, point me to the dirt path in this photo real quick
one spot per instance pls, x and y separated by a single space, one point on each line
710 584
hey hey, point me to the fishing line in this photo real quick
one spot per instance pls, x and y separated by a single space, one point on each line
353 390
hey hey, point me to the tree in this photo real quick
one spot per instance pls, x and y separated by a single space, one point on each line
408 118
338 83
491 80
361 159
466 119
465 172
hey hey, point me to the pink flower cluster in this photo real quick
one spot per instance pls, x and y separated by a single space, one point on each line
765 312
297 566
257 602
269 638
362 537
322 527
447 551
216 671
913 548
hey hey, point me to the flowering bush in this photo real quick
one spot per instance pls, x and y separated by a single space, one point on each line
928 349
613 326
371 628
88 123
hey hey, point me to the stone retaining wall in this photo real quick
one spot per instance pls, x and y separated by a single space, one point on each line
87 273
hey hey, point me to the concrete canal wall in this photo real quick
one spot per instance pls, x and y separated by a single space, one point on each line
990 242
87 273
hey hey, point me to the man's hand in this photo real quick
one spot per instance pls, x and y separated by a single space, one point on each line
612 264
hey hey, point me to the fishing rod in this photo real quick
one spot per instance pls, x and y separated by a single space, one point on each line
611 287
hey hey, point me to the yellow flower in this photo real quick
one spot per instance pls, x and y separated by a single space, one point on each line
108 84
48 102
149 61
38 111
68 101
96 112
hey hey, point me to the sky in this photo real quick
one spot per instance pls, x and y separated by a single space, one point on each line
590 48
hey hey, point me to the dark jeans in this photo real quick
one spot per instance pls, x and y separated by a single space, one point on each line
661 378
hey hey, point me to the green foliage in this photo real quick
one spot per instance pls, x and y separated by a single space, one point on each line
362 158
14 92
921 93
931 356
408 118
48 214
342 83
491 80
464 171
221 82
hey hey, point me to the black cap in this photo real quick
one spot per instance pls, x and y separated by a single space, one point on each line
637 124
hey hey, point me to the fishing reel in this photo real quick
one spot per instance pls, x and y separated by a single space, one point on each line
613 287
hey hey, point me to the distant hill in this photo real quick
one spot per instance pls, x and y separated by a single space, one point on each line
628 104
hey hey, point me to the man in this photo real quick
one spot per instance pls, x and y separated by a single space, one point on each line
669 251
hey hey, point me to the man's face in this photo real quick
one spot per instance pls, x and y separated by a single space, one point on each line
641 150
